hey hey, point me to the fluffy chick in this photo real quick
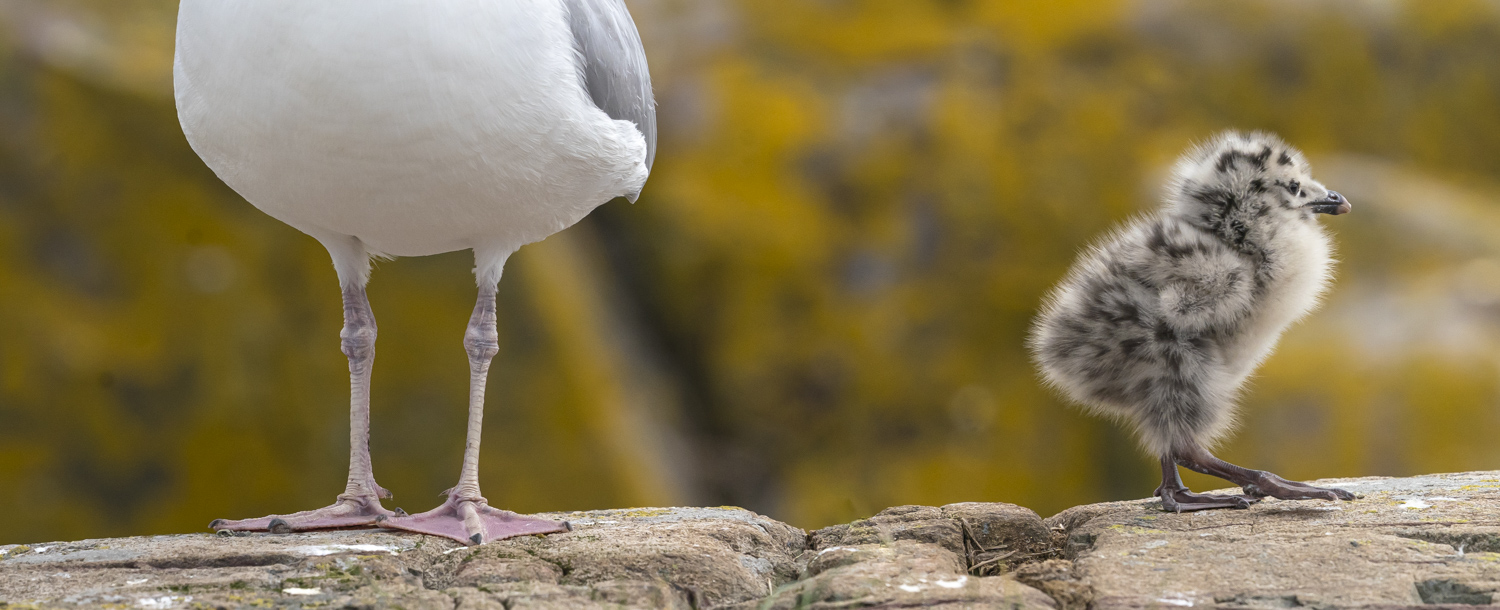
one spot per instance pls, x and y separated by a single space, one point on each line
1159 324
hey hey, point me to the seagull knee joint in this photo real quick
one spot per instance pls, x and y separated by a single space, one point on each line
482 346
358 343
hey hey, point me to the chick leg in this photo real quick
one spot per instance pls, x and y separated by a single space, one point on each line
1175 497
360 502
1256 483
466 516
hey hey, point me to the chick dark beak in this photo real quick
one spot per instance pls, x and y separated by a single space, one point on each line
1334 204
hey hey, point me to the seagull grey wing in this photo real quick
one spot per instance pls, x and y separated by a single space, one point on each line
614 67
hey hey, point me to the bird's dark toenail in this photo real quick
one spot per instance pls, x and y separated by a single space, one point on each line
380 518
400 512
279 526
476 538
567 526
213 525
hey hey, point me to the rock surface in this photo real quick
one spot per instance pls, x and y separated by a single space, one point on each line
1428 541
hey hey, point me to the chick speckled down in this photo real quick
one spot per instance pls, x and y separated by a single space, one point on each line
1160 323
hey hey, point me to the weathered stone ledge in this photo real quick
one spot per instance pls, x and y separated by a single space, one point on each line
1426 541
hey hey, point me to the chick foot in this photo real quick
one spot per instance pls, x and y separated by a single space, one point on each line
1175 497
1181 500
472 521
1255 483
351 510
1268 484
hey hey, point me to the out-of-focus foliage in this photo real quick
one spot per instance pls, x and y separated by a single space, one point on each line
816 309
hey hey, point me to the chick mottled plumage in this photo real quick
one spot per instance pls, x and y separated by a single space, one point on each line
1160 323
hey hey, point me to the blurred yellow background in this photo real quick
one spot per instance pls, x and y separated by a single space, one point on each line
815 311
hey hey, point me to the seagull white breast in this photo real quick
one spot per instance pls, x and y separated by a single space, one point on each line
417 126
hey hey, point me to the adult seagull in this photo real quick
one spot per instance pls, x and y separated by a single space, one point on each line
415 127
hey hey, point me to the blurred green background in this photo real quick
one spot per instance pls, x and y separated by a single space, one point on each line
815 311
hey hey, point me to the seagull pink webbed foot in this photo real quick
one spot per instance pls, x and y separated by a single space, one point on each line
472 520
348 511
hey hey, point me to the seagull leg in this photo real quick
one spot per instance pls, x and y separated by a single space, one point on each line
360 502
1175 497
1256 483
466 516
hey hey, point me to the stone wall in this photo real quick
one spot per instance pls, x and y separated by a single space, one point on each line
1426 541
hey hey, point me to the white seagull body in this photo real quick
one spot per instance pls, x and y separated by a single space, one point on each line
416 127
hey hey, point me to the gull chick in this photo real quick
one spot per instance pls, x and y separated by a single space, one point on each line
1160 323
416 127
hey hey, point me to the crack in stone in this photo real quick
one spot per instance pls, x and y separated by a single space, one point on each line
1465 541
1447 591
